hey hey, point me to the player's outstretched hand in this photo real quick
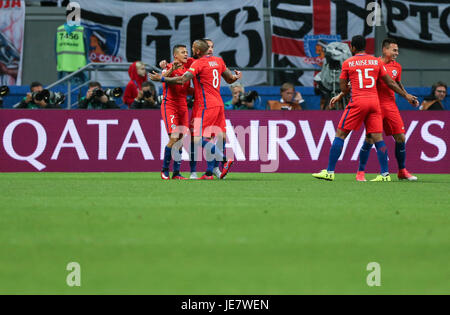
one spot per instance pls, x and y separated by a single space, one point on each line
334 100
238 75
412 99
154 76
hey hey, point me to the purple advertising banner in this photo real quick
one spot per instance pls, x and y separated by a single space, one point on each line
261 141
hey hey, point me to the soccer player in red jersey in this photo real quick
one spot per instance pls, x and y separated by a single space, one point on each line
193 161
174 110
362 71
392 121
209 118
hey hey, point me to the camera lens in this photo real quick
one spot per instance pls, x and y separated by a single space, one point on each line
117 92
4 90
97 92
39 96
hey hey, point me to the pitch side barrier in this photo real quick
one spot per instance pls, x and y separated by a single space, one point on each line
261 141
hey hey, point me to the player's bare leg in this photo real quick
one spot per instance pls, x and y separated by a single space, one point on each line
400 154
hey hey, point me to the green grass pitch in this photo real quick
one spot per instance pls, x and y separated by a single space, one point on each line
249 234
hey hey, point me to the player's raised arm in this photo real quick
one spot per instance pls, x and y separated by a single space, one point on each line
396 88
230 77
187 76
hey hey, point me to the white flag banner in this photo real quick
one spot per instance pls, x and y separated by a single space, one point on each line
12 26
126 32
301 29
418 23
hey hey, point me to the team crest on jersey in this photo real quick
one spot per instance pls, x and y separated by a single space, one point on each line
173 126
394 73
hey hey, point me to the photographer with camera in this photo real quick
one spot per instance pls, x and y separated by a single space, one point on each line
240 99
40 98
97 98
146 98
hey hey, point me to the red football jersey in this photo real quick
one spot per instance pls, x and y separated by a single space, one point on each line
207 73
175 94
363 71
385 94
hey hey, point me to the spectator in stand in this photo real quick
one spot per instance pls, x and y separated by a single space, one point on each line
138 75
290 99
238 98
434 101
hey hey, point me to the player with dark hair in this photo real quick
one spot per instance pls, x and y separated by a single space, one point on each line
392 120
362 71
174 110
209 117
193 161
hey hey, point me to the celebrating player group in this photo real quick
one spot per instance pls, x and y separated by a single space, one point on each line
207 124
373 82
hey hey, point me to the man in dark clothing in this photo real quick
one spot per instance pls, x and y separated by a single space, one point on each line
146 98
434 101
96 99
32 101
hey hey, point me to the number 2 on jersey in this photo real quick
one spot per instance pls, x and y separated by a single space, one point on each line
216 79
366 76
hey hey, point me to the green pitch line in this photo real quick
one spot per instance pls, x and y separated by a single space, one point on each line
249 234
